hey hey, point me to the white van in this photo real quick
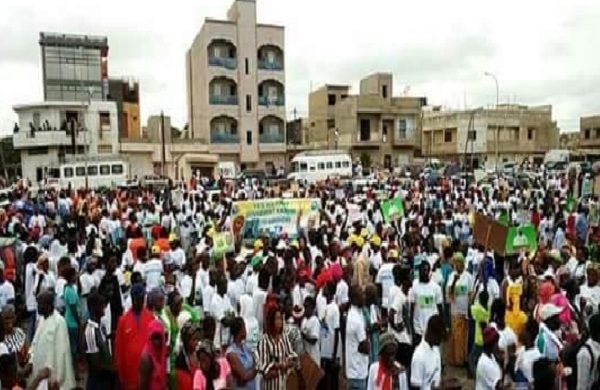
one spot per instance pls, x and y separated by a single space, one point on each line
313 166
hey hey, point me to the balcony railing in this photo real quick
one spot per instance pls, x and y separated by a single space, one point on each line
224 138
225 62
271 138
271 101
270 65
221 99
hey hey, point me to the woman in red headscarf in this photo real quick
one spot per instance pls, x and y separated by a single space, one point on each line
153 363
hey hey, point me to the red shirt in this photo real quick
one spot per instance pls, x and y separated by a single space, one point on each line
132 336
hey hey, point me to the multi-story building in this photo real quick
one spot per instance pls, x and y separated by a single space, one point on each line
236 88
126 93
589 132
51 133
74 67
489 136
373 123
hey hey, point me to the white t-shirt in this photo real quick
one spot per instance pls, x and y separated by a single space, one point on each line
488 373
398 302
341 293
525 360
7 293
259 297
332 322
425 297
311 327
385 277
59 303
372 380
321 302
357 364
591 295
219 307
463 287
153 273
426 367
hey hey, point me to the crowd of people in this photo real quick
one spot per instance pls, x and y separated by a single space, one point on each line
125 290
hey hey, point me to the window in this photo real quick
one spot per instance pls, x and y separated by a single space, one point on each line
597 133
105 149
447 135
346 164
117 169
330 123
321 166
104 120
249 137
247 63
530 133
38 151
105 170
248 103
402 128
68 172
80 171
472 135
312 168
312 124
338 164
365 130
384 91
303 167
92 170
586 133
232 90
329 165
331 99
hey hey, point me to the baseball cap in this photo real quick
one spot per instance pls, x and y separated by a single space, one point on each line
550 310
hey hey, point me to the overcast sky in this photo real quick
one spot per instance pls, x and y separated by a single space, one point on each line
541 52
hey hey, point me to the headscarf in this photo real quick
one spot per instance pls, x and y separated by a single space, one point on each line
561 301
157 355
384 379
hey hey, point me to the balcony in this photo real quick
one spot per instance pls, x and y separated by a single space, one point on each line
27 139
223 100
224 62
270 65
271 101
271 138
217 137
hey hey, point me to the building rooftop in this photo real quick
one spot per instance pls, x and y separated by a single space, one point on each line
58 104
73 40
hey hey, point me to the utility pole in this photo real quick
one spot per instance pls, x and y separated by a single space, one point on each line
164 151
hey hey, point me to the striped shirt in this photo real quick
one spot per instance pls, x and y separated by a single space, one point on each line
15 341
96 342
270 352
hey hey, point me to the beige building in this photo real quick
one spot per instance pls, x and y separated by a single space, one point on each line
589 131
371 125
177 159
489 136
236 88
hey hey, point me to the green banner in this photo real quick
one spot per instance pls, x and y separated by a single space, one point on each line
392 207
521 238
223 243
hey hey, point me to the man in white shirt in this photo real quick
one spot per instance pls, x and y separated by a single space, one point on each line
425 300
385 278
223 311
426 365
489 373
588 356
7 290
311 329
357 342
153 270
330 338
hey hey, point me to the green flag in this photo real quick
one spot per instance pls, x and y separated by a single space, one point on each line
570 203
503 219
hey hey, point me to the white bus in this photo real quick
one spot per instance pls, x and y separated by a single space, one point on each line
313 166
106 173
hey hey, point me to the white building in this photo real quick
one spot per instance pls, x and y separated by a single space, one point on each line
236 88
51 133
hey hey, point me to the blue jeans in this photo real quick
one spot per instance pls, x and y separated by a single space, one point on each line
357 384
31 318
